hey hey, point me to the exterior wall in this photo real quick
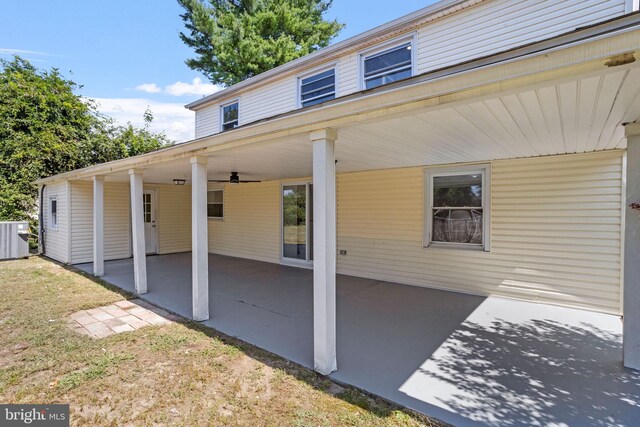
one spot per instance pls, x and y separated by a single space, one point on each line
173 217
57 240
503 24
173 220
208 121
117 223
266 101
251 224
555 232
484 29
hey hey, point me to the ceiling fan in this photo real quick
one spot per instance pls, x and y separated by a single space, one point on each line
233 179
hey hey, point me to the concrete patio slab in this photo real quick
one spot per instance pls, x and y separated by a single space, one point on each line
465 359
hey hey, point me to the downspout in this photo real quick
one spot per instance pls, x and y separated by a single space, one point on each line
41 230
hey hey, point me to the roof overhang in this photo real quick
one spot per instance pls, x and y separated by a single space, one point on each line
577 53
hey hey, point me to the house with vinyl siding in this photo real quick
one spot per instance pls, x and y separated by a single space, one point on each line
483 147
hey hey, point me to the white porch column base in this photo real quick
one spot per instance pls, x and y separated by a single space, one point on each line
98 226
324 250
199 239
137 233
631 304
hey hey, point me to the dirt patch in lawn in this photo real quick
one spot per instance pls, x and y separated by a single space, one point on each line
180 373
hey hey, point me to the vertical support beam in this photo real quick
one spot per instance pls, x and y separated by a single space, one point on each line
199 240
137 233
324 251
631 303
98 225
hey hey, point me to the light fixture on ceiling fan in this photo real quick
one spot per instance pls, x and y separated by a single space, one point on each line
233 179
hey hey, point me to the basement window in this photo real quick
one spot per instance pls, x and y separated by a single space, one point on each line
230 113
457 207
53 213
215 204
387 65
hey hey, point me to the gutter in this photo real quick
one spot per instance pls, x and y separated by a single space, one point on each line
613 27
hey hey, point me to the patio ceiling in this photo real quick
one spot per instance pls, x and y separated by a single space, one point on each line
579 114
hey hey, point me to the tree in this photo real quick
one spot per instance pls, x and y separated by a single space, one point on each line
46 129
237 39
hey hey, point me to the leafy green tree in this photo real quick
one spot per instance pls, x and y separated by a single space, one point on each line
237 39
46 129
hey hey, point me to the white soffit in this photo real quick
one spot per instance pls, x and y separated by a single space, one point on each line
576 116
581 115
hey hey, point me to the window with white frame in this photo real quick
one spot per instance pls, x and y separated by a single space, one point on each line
229 115
53 213
215 204
318 88
457 208
388 65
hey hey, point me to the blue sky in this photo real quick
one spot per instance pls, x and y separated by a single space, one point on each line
127 53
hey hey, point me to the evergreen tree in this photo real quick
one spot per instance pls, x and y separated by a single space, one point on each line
237 39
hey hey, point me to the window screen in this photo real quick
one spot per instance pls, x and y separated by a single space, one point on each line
318 88
457 209
388 66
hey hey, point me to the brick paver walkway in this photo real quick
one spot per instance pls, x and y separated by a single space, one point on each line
122 316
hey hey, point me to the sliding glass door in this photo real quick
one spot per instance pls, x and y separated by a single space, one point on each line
297 222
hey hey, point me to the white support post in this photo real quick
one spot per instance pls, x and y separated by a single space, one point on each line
137 232
324 251
631 291
98 226
199 240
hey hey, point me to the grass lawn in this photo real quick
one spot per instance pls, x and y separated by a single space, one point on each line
181 373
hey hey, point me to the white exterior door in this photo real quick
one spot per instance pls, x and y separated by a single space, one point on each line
150 229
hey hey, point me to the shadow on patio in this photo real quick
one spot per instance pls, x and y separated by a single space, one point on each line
464 359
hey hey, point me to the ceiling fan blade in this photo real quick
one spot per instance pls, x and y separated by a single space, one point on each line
249 181
218 180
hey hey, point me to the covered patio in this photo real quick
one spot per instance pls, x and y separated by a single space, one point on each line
552 126
464 359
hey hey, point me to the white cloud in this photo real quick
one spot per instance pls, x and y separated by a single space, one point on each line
196 87
169 117
149 88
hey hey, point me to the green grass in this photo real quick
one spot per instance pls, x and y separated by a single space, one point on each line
176 374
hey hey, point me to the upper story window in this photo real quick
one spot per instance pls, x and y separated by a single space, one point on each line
457 211
318 88
388 65
229 115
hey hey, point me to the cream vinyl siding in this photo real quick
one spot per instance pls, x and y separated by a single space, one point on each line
173 220
251 225
499 25
57 240
266 101
116 221
347 74
555 232
486 28
82 221
208 121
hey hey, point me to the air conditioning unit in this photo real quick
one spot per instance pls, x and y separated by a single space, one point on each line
14 239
